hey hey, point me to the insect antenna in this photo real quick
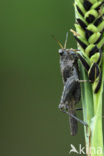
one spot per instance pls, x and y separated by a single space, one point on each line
66 40
59 43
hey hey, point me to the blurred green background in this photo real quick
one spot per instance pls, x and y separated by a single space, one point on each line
31 85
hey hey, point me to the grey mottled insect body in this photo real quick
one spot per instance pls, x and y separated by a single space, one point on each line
71 91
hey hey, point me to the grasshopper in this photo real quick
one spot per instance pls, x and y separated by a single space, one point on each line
71 92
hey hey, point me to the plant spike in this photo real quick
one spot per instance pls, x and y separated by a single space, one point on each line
90 38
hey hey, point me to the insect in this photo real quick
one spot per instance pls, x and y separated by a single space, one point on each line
71 91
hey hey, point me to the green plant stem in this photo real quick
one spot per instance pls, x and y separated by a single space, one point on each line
97 133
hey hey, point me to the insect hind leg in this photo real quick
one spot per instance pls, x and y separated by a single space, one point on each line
72 121
68 90
82 122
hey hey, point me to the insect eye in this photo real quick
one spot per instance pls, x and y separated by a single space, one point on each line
61 51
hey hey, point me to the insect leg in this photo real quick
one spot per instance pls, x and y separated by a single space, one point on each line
69 87
82 122
68 102
77 93
78 109
72 121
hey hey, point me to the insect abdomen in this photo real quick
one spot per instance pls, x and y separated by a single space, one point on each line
73 122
